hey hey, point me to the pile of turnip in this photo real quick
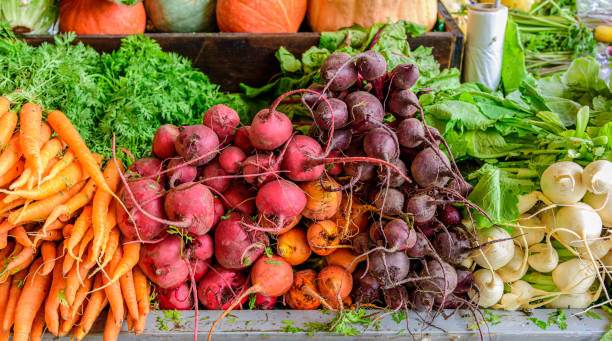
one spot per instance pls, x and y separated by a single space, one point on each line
228 211
561 254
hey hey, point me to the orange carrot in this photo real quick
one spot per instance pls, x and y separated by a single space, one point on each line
140 324
20 261
97 302
48 152
79 229
4 298
38 325
78 333
80 297
3 239
55 229
8 122
111 244
64 212
65 179
75 279
34 292
12 173
131 253
39 210
47 252
17 284
6 208
21 236
130 322
67 132
68 263
61 164
101 202
57 296
11 153
129 294
30 118
109 224
85 243
67 230
111 328
113 290
5 104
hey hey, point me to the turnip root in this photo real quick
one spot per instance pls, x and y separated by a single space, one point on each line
572 301
141 227
321 204
404 76
298 160
395 298
465 280
495 255
389 268
421 248
597 177
562 183
428 169
516 267
597 249
528 236
583 223
242 139
193 204
237 246
543 257
338 71
163 262
214 177
231 159
490 288
323 115
365 110
257 164
410 133
602 204
238 198
312 100
197 142
164 140
450 215
178 298
220 287
574 276
221 119
269 130
371 64
403 103
281 199
452 246
341 140
181 172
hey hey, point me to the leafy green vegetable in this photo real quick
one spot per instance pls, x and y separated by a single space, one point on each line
558 317
29 17
537 322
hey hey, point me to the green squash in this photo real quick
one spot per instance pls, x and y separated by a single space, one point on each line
29 16
182 15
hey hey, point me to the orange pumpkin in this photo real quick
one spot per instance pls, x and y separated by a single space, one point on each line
331 15
101 17
260 16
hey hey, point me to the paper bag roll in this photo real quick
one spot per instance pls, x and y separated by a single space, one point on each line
486 30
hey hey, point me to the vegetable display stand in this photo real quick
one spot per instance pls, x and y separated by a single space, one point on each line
288 325
233 58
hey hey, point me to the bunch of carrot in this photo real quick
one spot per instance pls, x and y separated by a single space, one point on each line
63 260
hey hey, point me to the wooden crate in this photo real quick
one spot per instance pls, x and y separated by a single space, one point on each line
233 58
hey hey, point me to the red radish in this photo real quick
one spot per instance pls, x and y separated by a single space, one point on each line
242 139
199 268
163 262
237 246
281 199
257 164
298 159
215 172
163 141
219 210
270 276
193 204
221 119
220 287
239 198
197 142
181 172
147 194
202 247
178 298
231 158
269 130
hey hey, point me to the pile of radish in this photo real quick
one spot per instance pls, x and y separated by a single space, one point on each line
227 211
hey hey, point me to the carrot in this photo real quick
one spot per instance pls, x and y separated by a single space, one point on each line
111 245
113 289
142 293
21 236
5 104
79 229
68 263
65 212
35 290
67 132
67 230
8 122
140 324
97 302
55 229
65 179
61 164
20 261
56 297
75 279
80 297
30 118
48 152
130 322
78 333
4 298
131 253
11 153
12 173
5 208
111 328
129 294
3 239
17 283
39 210
85 243
47 252
66 326
101 202
38 325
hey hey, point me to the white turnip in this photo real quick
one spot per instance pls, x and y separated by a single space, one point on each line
562 183
597 177
497 254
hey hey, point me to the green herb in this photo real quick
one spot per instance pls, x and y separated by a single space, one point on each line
558 317
493 319
274 262
231 318
345 322
61 296
537 322
20 283
252 300
399 316
593 315
161 324
268 251
153 300
173 317
289 327
248 322
185 237
226 216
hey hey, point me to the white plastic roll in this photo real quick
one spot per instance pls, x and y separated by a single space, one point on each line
484 47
